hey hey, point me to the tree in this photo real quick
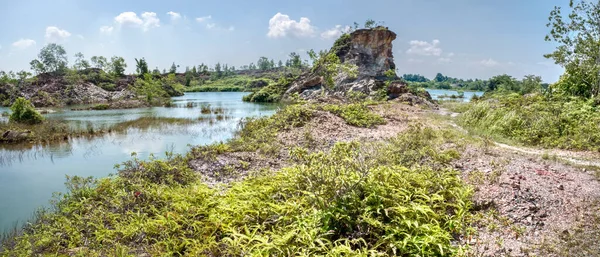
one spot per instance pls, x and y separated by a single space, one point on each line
117 66
188 78
218 70
80 62
23 75
369 24
263 63
99 62
440 78
194 71
156 72
503 81
52 58
295 60
280 64
252 66
173 68
141 66
531 83
24 112
37 67
578 36
414 78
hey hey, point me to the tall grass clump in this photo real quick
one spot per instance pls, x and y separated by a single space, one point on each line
571 123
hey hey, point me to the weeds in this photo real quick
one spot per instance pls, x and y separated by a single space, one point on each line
398 197
357 114
345 202
534 120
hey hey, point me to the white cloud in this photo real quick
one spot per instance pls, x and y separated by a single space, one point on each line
129 18
425 48
107 30
54 34
23 43
174 15
146 21
281 25
415 60
231 28
335 32
489 63
80 37
150 20
211 25
444 60
203 19
450 55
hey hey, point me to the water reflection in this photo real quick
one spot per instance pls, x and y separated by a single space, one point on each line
29 174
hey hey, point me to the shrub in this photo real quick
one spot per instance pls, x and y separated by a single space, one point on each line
100 107
24 112
108 86
570 123
356 114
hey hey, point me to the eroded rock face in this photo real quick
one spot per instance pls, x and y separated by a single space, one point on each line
370 50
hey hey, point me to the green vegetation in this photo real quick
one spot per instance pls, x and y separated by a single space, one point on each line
578 37
529 84
24 112
271 93
570 123
398 197
356 114
236 83
100 107
564 114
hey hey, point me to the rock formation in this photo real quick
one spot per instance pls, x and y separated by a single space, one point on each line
371 51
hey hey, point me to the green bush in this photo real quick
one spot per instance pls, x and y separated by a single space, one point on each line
24 112
356 114
108 86
570 123
100 107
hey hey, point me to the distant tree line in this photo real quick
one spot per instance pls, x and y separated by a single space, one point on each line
528 84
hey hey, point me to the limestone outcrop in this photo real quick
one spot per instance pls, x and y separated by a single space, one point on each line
370 50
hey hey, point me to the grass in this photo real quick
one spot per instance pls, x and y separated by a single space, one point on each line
356 114
536 120
397 197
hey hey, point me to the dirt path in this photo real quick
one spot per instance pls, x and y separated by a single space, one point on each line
531 202
578 158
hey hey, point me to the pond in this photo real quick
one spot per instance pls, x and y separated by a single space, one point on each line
29 174
438 94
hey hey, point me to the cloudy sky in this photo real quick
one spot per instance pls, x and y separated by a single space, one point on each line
459 38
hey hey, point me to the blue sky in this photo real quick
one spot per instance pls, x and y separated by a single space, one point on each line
459 38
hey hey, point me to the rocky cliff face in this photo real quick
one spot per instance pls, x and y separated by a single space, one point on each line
371 51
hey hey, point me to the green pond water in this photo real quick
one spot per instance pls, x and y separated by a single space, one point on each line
29 174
